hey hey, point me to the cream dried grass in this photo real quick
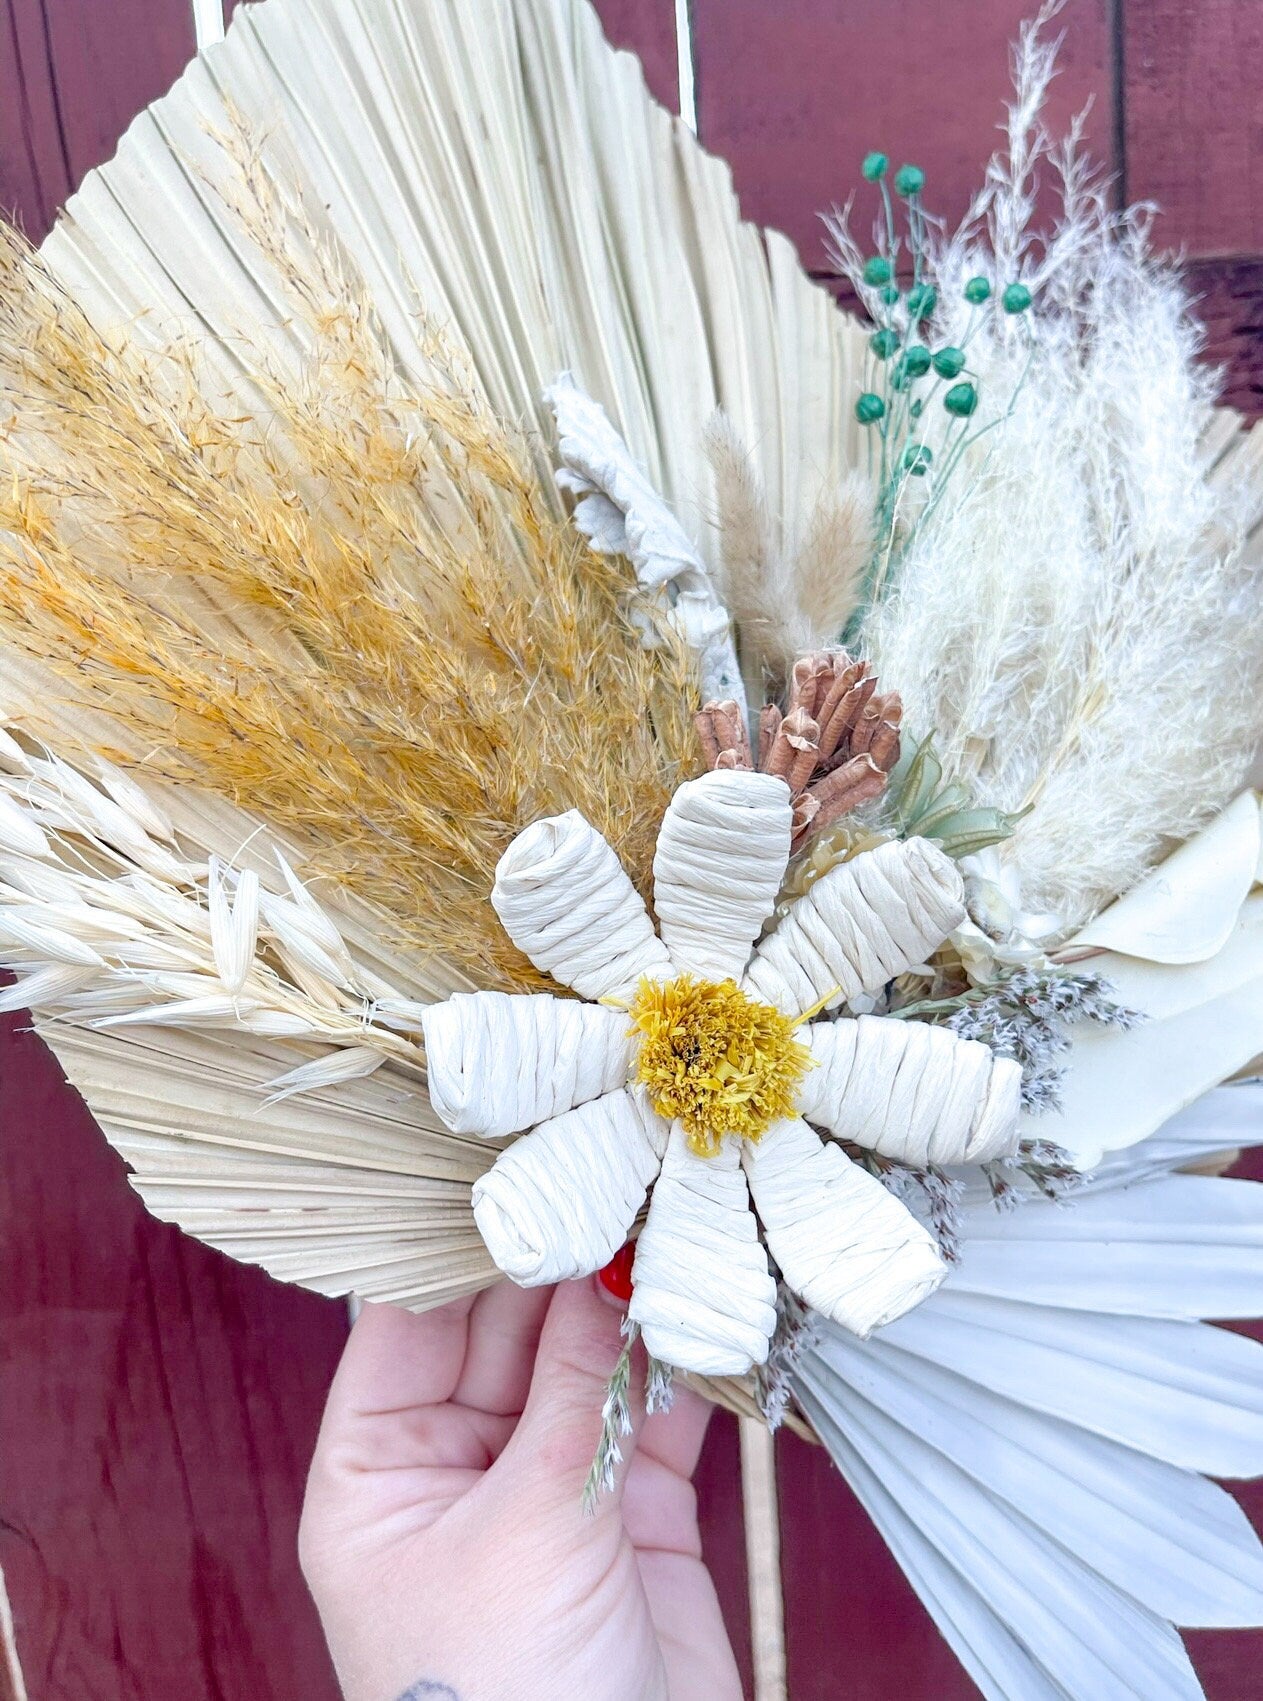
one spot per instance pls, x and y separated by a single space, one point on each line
1077 616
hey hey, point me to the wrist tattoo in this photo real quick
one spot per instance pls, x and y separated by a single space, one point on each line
424 1690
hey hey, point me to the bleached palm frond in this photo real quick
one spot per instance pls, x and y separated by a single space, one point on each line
501 165
325 201
1032 1440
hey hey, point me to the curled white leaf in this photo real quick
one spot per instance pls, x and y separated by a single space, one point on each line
846 1245
621 513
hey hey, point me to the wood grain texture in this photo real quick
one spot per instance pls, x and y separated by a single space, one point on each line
160 1406
794 96
1192 70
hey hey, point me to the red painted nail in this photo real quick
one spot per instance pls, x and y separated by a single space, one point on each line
616 1277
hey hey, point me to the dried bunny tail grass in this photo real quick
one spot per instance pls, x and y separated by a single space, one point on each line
107 925
753 579
1076 615
358 613
785 602
833 557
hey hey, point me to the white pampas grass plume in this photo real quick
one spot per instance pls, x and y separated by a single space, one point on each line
834 554
1074 612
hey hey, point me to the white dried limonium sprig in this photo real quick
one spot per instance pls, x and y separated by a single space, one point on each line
695 1068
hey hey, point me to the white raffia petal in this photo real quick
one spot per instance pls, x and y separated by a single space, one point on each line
844 1244
861 924
498 1063
702 1292
620 513
565 900
559 1202
722 851
915 1093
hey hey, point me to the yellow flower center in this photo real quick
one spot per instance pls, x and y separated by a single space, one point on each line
715 1060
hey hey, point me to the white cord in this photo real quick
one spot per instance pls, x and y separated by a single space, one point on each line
208 22
684 63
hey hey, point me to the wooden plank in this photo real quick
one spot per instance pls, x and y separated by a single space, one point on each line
855 1627
794 97
1191 71
73 74
647 28
160 1405
1228 299
34 169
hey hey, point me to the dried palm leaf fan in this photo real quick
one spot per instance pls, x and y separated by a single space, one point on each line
297 636
347 245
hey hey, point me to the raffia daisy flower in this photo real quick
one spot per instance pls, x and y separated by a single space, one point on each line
695 1069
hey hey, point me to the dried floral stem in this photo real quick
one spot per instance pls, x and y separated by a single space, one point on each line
616 1422
107 925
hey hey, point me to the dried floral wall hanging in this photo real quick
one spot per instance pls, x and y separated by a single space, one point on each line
532 750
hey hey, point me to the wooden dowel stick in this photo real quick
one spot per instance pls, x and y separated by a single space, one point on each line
763 1558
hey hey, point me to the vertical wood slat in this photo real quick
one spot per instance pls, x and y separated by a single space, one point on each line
160 1404
1191 72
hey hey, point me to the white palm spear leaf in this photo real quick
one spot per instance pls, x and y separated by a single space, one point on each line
499 164
1030 1440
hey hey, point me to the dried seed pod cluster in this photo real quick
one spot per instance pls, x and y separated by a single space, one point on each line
834 744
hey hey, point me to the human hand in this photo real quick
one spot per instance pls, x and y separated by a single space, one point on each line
443 1536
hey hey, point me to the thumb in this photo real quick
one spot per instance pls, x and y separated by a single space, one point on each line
556 1441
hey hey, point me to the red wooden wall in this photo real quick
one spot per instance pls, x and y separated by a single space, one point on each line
160 1402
